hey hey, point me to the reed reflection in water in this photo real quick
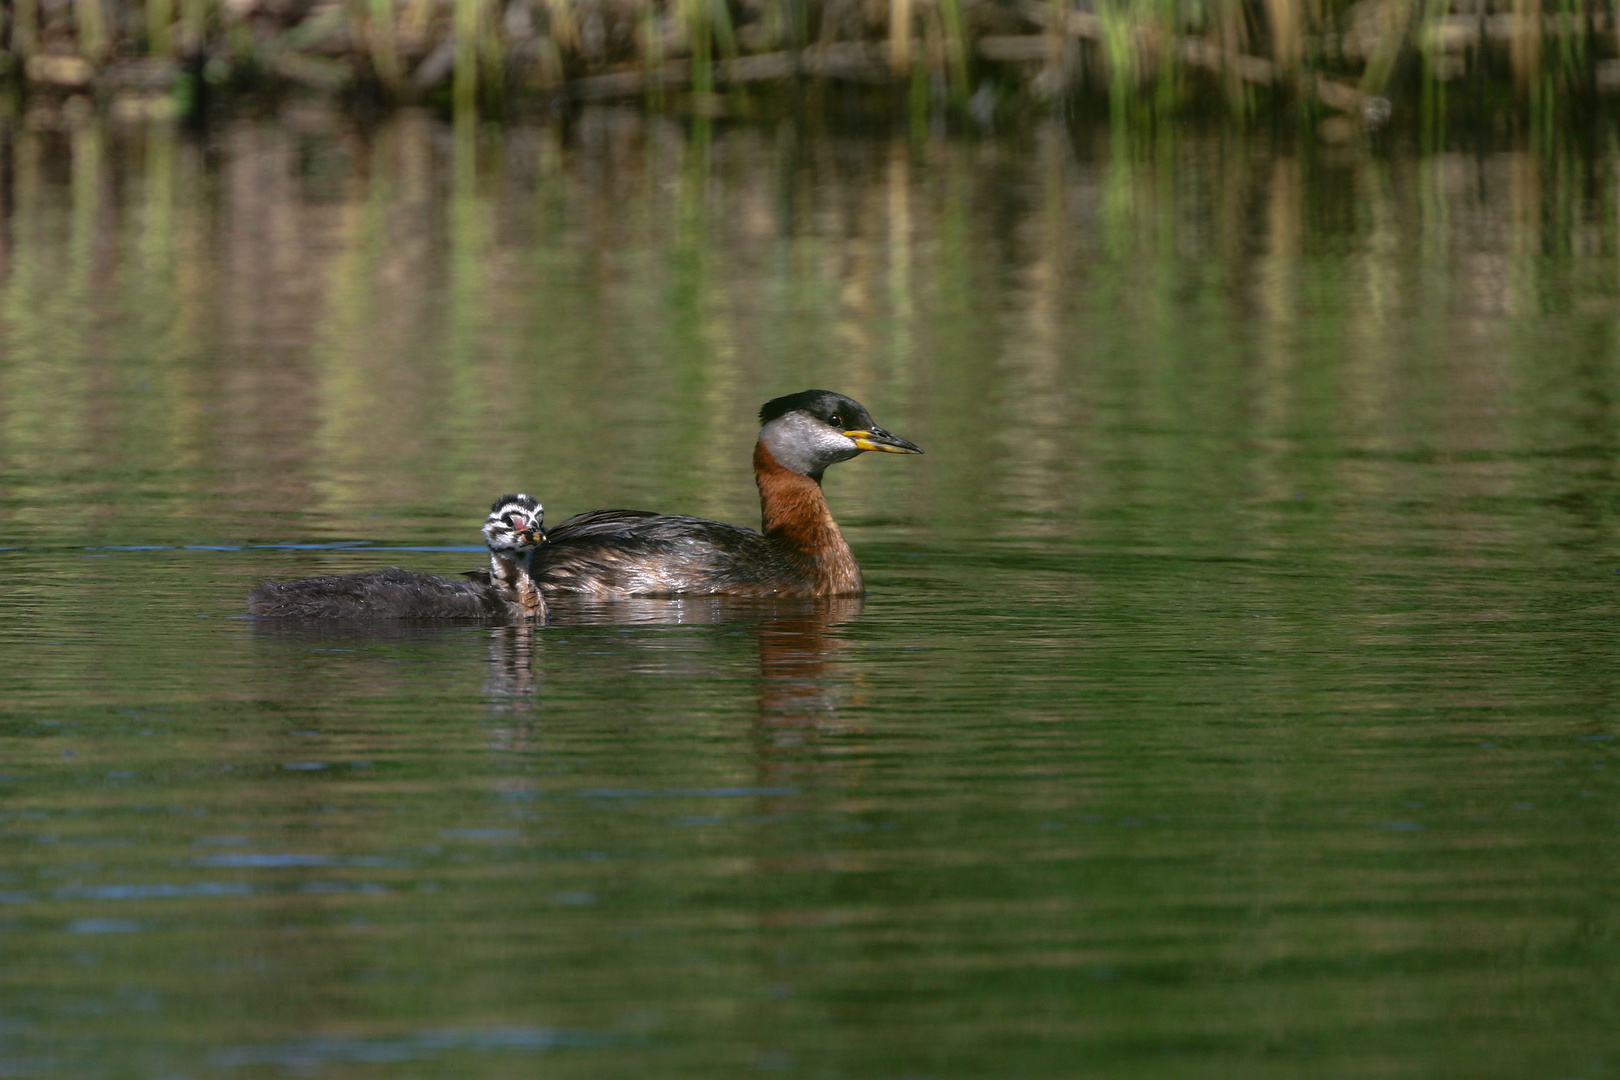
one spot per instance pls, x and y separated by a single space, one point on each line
1234 694
327 324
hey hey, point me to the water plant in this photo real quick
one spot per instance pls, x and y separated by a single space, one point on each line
1362 61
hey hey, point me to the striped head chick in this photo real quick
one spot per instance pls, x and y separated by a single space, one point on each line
514 528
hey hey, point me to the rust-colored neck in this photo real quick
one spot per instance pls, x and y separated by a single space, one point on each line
796 518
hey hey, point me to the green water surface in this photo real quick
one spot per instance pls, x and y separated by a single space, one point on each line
1235 695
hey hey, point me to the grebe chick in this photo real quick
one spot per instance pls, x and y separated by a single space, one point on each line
800 551
505 590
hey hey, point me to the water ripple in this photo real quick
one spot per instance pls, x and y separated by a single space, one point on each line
304 1054
269 860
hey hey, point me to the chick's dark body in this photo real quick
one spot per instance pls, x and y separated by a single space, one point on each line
393 593
504 591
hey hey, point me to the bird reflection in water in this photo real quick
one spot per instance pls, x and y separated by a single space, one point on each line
801 685
513 682
801 682
800 690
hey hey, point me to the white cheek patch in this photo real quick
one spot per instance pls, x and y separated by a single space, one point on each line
804 445
833 442
496 534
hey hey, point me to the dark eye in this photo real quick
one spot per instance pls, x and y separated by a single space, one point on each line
836 421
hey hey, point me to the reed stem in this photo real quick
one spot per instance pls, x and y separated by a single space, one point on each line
193 25
900 36
1150 57
25 28
380 33
160 27
956 49
91 22
464 89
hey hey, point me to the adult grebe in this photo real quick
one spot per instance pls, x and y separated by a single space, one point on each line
800 552
505 590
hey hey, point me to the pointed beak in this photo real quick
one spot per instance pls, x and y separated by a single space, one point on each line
875 438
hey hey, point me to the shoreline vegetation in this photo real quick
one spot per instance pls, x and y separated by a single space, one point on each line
1341 66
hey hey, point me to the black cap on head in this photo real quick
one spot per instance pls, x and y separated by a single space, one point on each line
824 405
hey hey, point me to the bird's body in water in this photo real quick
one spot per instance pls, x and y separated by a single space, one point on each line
799 552
505 591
